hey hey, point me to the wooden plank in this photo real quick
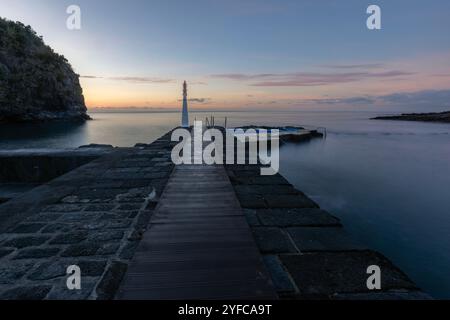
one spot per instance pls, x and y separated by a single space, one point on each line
198 245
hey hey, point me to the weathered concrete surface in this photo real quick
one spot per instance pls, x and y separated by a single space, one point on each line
306 249
43 165
10 191
92 217
329 273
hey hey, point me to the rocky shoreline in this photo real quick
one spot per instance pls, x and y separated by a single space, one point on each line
427 117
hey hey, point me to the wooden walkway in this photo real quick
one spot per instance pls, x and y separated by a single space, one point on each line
198 245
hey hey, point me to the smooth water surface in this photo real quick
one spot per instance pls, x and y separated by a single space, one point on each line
389 181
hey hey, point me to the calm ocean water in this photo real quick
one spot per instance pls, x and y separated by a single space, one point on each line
387 180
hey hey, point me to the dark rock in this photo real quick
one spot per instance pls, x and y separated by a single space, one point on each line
323 239
106 184
129 207
100 207
328 273
130 214
428 117
56 227
99 194
37 83
289 201
11 272
128 250
284 128
91 268
70 199
5 199
151 205
37 253
269 180
26 293
109 216
137 183
78 217
45 217
107 236
280 277
70 237
110 282
251 201
37 166
28 228
118 224
143 220
49 270
273 240
136 235
97 146
81 250
296 217
250 216
96 225
126 199
294 138
64 208
5 252
108 249
141 145
22 242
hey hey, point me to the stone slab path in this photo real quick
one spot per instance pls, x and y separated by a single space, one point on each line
198 244
306 249
92 217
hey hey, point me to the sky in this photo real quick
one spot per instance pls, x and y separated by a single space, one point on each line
250 54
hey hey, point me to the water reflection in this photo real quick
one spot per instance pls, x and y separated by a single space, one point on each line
387 180
42 135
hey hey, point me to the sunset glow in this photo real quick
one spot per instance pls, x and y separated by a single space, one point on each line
225 58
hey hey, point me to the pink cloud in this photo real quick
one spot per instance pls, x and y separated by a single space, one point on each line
308 79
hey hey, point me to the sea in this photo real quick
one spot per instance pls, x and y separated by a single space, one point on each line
388 181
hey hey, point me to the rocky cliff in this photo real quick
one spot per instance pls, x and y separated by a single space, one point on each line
36 84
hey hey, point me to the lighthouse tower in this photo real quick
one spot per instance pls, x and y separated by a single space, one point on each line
185 117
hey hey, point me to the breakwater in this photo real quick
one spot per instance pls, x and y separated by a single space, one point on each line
100 215
306 249
43 165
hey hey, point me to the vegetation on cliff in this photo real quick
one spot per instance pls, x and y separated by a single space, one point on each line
36 84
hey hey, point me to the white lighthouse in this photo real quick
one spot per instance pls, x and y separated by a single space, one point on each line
185 117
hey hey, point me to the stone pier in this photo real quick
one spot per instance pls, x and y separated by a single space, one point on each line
93 217
139 228
306 249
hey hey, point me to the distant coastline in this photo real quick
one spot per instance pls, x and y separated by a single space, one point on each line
428 117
